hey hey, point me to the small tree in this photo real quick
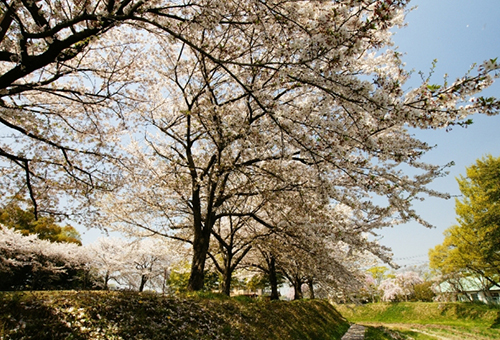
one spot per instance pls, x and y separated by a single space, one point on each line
136 265
471 247
401 287
107 256
146 262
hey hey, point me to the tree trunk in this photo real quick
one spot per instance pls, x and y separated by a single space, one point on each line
297 289
227 272
226 282
311 288
106 279
86 279
273 279
144 279
200 249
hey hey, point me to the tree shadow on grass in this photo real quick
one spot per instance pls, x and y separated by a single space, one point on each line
79 315
34 320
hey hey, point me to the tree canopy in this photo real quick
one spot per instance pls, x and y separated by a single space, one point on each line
15 217
175 118
472 247
288 107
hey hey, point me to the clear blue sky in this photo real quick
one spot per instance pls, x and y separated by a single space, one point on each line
457 33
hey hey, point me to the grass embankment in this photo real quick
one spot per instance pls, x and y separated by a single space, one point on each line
422 320
125 315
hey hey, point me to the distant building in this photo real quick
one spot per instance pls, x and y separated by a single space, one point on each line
468 289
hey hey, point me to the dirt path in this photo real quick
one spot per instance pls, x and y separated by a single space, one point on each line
355 332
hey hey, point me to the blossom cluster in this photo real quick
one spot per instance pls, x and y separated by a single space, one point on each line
401 287
28 262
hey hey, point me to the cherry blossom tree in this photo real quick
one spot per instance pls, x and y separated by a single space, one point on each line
230 247
148 262
309 246
133 264
107 256
252 100
68 79
401 287
262 259
390 290
27 262
62 75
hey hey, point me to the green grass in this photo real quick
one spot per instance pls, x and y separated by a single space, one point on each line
422 321
453 314
126 315
385 333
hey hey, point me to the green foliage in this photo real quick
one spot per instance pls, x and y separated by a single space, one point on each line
423 292
179 279
237 283
472 246
212 281
25 278
118 315
258 282
261 281
15 217
450 313
378 273
433 88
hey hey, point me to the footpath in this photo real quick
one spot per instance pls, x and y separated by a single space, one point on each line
355 332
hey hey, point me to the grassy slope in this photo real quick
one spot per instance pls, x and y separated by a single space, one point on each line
448 320
459 314
118 315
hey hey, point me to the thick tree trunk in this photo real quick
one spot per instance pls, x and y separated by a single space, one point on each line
200 249
226 282
273 279
297 289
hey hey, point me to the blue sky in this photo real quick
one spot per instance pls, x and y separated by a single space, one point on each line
457 33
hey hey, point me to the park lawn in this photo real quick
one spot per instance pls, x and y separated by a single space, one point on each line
421 320
126 315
